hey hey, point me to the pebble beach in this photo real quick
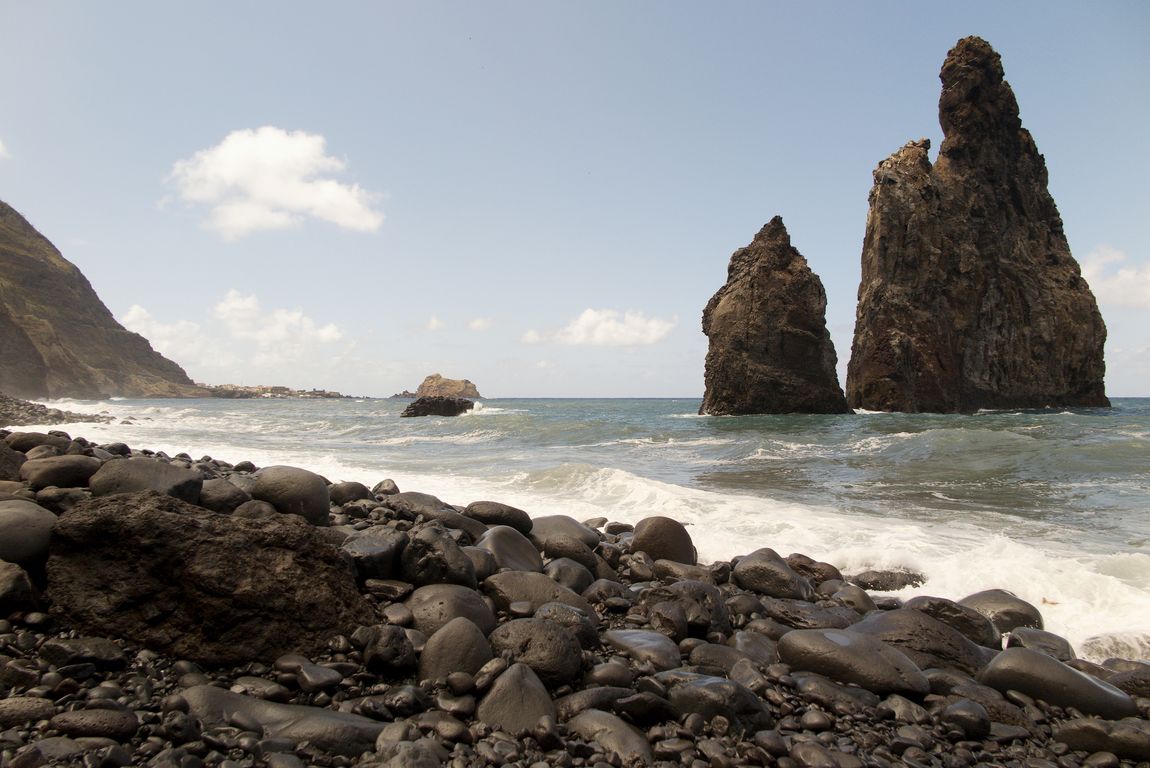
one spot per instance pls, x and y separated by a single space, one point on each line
173 611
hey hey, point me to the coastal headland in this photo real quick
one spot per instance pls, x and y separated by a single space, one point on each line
168 610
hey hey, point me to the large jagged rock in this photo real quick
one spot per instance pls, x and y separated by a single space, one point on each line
200 585
437 386
969 297
770 351
57 339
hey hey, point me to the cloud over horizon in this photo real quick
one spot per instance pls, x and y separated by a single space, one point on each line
242 339
4 151
607 328
1125 286
269 178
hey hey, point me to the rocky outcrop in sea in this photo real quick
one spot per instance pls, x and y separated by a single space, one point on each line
57 339
170 611
438 406
970 297
437 386
769 350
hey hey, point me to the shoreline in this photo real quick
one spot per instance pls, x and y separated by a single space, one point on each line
674 658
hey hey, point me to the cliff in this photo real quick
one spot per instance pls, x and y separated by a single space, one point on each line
769 349
969 296
57 339
437 386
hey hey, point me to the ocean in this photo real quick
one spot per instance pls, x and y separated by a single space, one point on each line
1053 505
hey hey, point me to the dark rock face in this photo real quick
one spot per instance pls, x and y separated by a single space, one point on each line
57 339
200 585
969 296
770 351
438 406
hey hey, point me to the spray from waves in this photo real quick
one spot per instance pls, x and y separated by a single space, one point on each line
1099 603
1096 598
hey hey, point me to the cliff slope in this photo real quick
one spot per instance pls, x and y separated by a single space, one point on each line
57 339
970 297
769 350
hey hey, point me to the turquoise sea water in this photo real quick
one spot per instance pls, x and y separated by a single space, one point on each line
1054 504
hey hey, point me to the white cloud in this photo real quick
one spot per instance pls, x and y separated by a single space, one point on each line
269 178
481 324
284 329
181 341
1126 286
434 323
4 152
608 328
242 343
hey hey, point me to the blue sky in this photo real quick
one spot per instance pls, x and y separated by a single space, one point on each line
538 196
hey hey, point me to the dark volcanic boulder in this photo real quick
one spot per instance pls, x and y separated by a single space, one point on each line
770 351
60 471
10 462
200 585
664 539
25 532
293 491
340 733
1005 610
438 406
550 649
969 296
852 657
144 474
1044 677
926 641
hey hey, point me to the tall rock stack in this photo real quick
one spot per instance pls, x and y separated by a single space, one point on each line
969 297
770 351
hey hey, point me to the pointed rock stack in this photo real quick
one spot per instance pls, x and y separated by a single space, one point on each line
770 351
969 296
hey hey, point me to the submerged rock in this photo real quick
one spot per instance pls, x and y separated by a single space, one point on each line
770 351
970 297
438 406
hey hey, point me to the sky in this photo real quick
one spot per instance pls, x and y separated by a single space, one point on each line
537 196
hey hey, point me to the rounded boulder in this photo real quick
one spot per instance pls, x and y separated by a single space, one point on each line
434 605
60 471
223 496
293 491
1005 609
764 571
664 539
550 649
1043 677
457 646
139 474
851 657
496 513
25 530
511 549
